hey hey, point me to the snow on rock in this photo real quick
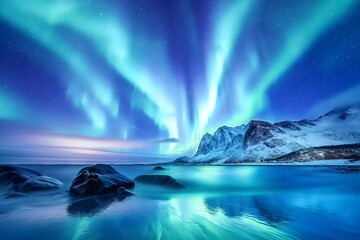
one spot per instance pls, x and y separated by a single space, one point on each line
260 140
207 144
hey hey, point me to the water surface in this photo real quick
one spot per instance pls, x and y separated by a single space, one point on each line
219 202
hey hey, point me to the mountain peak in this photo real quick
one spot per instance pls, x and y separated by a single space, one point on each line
343 113
259 140
206 144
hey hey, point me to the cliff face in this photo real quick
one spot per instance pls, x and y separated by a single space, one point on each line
261 140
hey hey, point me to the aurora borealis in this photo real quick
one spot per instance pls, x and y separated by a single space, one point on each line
153 76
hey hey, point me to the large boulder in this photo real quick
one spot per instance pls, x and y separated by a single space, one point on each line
160 180
16 180
99 179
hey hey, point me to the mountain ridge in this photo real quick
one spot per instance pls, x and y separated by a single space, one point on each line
261 140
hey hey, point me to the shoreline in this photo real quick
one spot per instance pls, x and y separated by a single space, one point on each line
333 162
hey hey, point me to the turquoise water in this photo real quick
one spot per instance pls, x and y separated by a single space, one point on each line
219 202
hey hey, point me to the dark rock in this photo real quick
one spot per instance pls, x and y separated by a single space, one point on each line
259 131
99 179
258 123
287 125
346 151
305 122
160 180
19 180
342 112
344 115
158 168
273 143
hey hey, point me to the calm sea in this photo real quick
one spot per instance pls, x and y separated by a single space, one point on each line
219 202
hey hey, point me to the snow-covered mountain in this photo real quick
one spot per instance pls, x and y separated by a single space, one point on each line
260 140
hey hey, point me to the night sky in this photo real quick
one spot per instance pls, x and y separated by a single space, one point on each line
90 79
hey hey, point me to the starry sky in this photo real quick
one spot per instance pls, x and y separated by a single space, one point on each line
91 79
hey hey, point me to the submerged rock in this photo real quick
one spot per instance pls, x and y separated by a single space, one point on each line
17 180
160 180
99 179
158 168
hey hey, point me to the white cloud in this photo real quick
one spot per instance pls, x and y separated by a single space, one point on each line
346 98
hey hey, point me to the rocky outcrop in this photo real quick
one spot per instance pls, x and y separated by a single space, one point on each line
99 179
287 125
160 180
259 131
17 180
158 168
305 123
348 151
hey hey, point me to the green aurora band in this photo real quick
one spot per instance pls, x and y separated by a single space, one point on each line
144 63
